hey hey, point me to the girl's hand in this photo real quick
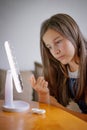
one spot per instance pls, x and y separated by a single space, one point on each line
40 85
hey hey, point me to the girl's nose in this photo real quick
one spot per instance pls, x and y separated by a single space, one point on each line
56 50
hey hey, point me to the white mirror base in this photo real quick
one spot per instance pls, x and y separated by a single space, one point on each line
10 104
18 106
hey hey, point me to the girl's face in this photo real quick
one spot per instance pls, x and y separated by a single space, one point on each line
60 47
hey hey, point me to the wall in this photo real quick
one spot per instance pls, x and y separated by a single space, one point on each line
20 22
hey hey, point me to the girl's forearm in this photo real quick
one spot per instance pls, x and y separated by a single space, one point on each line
54 102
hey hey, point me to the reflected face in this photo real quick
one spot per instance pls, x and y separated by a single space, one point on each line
61 48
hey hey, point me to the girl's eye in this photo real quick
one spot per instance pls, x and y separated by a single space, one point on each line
59 41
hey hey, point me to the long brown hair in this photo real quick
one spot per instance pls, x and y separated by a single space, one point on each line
56 73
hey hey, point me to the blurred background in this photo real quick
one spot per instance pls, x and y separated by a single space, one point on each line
20 22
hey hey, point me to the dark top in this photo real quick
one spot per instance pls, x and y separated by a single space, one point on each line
72 87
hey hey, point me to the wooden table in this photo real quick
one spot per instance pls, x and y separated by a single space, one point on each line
54 119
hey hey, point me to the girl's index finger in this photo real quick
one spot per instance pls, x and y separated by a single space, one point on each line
32 80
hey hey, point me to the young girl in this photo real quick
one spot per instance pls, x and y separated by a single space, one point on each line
63 52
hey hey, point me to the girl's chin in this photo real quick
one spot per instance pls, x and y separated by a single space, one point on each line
63 62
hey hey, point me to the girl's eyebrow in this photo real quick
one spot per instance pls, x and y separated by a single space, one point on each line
57 38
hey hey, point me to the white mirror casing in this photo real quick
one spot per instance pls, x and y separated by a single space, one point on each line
13 75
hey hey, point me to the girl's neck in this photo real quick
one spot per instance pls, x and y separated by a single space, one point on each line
74 64
73 67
